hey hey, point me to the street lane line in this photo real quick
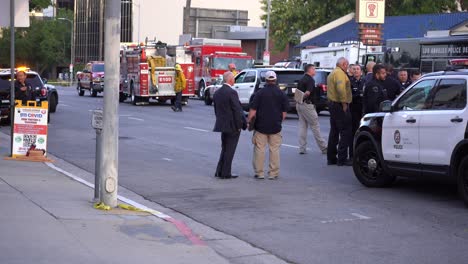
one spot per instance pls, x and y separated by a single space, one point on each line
167 159
181 226
65 105
196 129
138 119
360 216
125 115
289 146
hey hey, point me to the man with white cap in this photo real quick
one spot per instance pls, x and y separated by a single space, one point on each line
267 112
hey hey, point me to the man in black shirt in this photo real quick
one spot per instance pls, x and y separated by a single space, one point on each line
375 91
306 111
269 109
23 89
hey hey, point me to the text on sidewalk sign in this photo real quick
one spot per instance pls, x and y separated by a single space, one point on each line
30 128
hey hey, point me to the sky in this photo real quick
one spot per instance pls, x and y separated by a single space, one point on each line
163 19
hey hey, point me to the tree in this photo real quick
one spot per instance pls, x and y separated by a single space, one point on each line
42 46
38 5
289 17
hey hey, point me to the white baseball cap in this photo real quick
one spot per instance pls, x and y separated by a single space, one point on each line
270 75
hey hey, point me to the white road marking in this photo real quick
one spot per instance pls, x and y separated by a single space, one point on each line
125 115
138 119
196 129
359 218
289 146
65 105
289 126
167 159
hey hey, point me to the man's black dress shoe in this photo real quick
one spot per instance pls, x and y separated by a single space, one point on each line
233 176
345 163
331 162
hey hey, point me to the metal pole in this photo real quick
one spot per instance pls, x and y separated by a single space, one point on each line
139 20
12 65
72 64
97 163
267 44
110 132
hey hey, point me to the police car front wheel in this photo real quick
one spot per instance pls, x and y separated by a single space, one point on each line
368 167
462 180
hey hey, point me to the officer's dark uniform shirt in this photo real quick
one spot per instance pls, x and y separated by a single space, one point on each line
307 83
357 87
374 94
393 88
405 85
270 103
24 96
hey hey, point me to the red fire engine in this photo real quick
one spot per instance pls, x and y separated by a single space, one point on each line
212 57
147 72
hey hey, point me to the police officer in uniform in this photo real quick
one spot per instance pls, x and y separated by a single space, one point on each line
23 89
307 113
404 79
375 91
357 87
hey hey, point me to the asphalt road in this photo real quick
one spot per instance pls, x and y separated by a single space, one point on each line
313 214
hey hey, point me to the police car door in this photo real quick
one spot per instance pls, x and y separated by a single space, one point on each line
444 123
400 134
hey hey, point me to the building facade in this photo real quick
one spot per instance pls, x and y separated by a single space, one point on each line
89 28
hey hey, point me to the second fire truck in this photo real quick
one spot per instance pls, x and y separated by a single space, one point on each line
147 73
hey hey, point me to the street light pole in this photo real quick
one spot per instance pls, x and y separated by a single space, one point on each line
12 73
267 44
266 54
110 129
72 48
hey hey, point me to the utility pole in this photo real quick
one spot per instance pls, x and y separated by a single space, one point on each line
266 53
188 6
267 44
110 132
12 69
72 48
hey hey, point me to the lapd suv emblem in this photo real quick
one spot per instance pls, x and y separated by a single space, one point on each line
397 137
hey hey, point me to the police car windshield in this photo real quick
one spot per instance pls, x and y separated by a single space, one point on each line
285 77
223 63
32 79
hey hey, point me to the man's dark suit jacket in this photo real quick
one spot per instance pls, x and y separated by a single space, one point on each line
229 115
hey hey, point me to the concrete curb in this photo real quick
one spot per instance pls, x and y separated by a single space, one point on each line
233 249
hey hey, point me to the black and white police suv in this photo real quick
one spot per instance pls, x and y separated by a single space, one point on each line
423 133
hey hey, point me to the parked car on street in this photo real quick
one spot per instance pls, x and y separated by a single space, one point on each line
248 81
422 133
91 79
43 92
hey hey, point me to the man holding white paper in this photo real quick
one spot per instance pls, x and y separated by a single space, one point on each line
306 111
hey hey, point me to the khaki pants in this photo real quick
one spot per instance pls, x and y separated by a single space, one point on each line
260 142
308 117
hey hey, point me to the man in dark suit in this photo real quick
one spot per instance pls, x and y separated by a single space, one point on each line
229 121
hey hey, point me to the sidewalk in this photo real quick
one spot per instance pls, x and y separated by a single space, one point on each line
48 217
